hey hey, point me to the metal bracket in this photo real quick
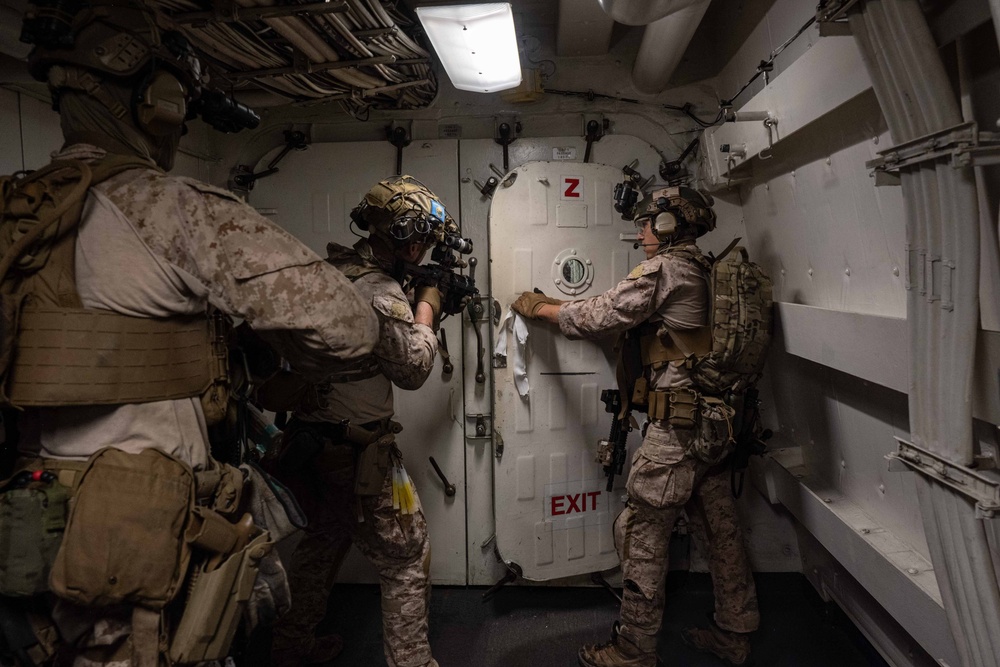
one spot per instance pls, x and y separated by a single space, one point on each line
594 128
243 178
985 491
482 430
398 136
505 133
964 144
833 10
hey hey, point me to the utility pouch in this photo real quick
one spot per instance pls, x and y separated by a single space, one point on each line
713 441
640 393
124 539
32 520
373 464
683 409
215 601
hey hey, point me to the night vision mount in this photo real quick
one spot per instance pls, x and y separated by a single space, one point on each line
48 24
629 191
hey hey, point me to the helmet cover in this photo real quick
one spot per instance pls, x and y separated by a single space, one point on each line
691 208
119 39
401 210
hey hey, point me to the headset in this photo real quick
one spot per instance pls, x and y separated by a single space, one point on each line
160 103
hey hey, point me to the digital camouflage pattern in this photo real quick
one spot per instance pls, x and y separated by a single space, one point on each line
396 544
666 478
157 246
404 351
663 482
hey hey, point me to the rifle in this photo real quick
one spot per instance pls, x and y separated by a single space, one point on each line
749 442
456 289
611 453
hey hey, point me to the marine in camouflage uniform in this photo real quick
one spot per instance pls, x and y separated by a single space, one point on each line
668 291
156 246
399 213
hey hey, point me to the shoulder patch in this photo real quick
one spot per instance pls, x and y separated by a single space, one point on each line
643 269
393 307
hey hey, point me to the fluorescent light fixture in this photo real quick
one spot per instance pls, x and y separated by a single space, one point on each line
476 44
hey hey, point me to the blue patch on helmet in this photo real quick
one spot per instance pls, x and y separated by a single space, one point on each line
437 210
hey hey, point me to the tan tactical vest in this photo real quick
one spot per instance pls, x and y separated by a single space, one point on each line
55 352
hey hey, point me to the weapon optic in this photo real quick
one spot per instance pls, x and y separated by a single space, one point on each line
442 273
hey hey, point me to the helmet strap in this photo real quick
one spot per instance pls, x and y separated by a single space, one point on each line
83 81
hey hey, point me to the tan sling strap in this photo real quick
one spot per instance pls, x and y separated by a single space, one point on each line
70 356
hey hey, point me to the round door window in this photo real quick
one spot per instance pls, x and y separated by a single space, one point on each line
572 273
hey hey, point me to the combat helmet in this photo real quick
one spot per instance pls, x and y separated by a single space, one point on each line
676 209
79 45
401 210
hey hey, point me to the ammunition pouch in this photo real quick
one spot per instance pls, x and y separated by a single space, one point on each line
707 419
125 536
32 520
678 406
214 604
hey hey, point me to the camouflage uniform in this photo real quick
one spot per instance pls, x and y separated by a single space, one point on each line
396 544
665 478
153 245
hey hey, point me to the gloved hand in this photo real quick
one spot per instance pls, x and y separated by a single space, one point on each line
529 303
432 297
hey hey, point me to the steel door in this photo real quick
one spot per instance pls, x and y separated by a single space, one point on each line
555 228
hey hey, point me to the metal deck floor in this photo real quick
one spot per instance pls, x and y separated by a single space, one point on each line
544 626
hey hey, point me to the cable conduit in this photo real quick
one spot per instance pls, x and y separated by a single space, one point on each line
942 221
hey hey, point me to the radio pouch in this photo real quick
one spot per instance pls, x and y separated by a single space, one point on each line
213 608
124 539
32 520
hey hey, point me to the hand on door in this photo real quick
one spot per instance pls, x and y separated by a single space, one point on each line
535 305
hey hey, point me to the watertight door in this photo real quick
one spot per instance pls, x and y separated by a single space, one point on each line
555 229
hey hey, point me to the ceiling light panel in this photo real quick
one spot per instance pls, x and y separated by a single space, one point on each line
476 44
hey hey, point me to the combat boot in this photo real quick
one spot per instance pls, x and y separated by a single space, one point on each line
619 652
733 647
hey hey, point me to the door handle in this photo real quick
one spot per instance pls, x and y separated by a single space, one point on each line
449 488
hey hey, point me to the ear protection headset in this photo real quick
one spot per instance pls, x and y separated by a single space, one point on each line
672 215
159 106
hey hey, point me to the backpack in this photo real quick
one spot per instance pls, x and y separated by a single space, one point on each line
741 321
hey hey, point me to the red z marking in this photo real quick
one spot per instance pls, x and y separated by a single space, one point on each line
571 187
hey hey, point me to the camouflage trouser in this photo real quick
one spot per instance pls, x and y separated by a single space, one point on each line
664 480
397 545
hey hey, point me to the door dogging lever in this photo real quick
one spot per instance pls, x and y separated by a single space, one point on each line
449 488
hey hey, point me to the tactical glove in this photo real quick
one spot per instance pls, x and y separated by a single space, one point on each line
432 297
529 303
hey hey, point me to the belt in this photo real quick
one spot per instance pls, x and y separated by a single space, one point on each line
357 434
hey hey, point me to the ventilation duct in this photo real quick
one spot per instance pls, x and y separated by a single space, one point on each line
663 44
643 12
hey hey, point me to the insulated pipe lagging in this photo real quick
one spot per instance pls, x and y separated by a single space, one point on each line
663 45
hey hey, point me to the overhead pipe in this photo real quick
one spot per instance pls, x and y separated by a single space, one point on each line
663 45
644 12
